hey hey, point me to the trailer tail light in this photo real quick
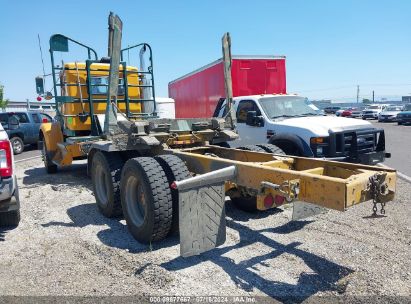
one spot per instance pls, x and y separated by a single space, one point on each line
6 164
268 201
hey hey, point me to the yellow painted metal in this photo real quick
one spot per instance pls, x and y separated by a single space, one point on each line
61 153
329 184
68 153
69 77
52 134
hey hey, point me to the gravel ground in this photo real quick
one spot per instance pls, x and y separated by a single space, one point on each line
63 246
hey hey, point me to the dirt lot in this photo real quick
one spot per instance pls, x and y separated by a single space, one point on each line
63 246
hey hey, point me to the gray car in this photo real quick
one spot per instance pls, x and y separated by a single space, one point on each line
9 193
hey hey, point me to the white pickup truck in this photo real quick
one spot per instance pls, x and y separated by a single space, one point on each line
299 128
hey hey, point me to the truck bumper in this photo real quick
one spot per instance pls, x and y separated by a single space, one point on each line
370 116
371 158
9 195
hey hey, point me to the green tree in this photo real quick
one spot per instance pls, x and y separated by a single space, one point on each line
3 102
366 100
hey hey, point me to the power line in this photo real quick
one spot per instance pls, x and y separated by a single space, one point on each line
364 85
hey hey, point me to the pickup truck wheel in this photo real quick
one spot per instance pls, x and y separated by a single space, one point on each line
270 148
175 170
146 199
222 144
17 144
106 175
254 148
48 164
10 219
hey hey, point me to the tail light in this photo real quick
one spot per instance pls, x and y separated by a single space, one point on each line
44 120
6 163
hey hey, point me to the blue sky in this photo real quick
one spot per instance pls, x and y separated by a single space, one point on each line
331 46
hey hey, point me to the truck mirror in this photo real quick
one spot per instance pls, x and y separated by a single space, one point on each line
251 118
39 85
254 120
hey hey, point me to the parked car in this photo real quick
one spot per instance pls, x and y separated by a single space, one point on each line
390 113
9 193
372 111
340 111
26 131
404 116
352 113
331 110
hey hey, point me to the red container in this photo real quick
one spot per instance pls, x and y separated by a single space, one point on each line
197 93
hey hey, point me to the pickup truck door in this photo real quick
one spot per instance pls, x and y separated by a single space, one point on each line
36 121
248 134
26 127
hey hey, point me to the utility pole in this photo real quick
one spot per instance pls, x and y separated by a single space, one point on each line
372 96
358 93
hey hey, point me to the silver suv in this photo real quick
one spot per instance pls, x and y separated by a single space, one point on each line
9 193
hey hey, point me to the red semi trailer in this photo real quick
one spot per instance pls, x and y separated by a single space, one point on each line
196 94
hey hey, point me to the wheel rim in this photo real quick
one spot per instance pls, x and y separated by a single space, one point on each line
100 179
17 147
135 201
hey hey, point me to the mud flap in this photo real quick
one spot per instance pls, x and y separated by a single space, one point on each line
202 219
302 210
202 210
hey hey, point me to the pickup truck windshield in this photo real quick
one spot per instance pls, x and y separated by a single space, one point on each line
288 106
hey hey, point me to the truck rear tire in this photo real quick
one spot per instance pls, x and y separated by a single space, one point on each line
10 219
50 167
17 144
146 199
106 175
253 148
270 148
175 170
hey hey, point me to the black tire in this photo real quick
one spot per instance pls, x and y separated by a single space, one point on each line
245 203
50 167
254 148
175 170
222 144
399 123
10 219
146 199
106 175
270 148
17 145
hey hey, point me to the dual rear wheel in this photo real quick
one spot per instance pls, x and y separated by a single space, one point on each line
140 190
